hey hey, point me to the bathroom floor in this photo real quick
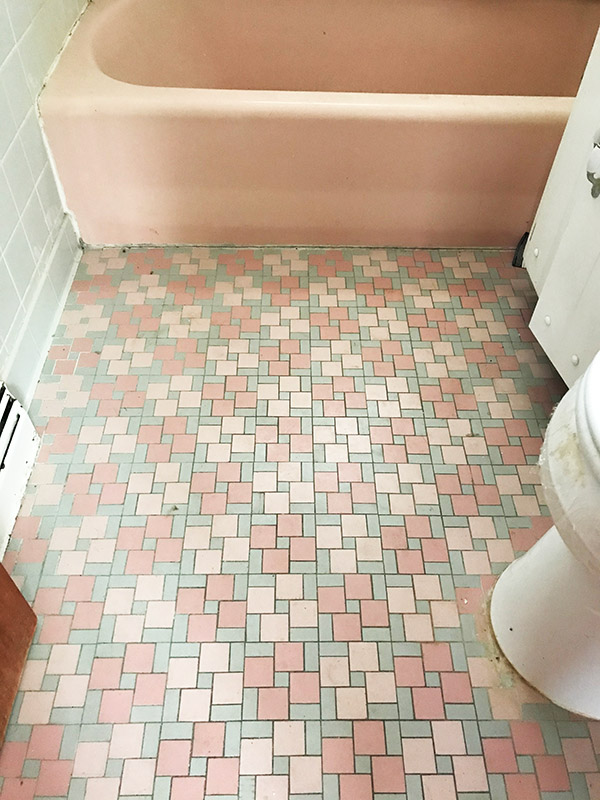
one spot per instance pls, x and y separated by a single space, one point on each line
274 490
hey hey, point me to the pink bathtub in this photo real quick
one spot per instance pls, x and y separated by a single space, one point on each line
356 122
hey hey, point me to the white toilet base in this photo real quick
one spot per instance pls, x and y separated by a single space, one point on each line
545 614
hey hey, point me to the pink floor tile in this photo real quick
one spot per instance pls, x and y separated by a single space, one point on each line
54 778
222 776
115 705
552 773
173 758
126 741
470 774
305 775
338 755
369 738
138 776
12 756
438 787
418 756
579 755
256 757
44 743
289 738
272 787
388 774
448 737
356 787
304 687
102 789
19 788
522 787
90 759
208 739
499 755
186 788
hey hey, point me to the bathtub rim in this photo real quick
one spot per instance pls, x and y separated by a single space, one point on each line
78 85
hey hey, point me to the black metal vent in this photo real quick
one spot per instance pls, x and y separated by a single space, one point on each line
9 419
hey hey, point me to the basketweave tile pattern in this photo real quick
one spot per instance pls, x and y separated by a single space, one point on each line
274 491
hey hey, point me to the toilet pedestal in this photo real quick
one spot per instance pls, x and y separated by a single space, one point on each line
546 617
546 606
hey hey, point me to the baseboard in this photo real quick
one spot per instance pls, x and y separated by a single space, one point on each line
24 366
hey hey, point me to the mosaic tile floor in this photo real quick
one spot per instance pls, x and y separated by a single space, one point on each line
274 490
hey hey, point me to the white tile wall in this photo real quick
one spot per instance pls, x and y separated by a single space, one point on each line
38 243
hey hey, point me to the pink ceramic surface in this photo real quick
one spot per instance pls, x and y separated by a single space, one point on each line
347 122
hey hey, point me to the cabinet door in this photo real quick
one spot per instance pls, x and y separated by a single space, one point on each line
563 252
17 626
